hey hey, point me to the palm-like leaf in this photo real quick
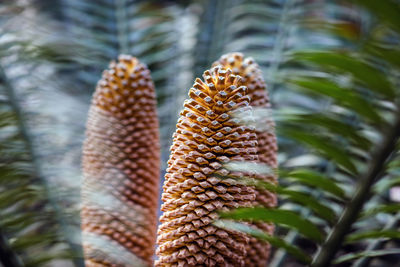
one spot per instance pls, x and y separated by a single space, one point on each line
355 136
28 211
69 65
345 97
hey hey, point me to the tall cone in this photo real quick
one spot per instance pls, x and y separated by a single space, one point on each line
121 162
257 251
207 136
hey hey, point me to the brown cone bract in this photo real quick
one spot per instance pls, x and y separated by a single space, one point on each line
121 162
257 251
207 137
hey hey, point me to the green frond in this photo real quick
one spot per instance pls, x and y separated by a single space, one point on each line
28 220
332 71
346 114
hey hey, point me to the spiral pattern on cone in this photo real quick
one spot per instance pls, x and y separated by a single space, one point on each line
207 137
121 162
257 251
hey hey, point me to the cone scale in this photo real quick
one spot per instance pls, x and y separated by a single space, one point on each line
257 251
121 162
207 136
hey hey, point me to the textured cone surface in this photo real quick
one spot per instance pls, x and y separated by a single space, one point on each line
121 168
258 251
206 138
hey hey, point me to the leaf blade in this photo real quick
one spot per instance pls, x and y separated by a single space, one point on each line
274 241
283 217
364 254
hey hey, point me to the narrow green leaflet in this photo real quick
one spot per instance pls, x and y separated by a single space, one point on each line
309 201
274 241
323 146
371 77
391 55
257 10
283 217
372 234
342 96
389 208
364 254
251 181
385 184
333 125
388 11
44 258
313 178
33 239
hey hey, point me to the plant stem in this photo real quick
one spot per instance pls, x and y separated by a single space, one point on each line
23 130
335 238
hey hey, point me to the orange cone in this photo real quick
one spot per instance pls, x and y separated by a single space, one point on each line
121 162
207 136
258 251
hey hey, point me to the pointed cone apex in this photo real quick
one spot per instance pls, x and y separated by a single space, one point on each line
257 251
207 136
121 168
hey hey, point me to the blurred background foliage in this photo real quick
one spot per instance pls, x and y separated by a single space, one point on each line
332 70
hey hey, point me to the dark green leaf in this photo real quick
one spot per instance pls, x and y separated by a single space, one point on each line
333 125
391 55
274 241
309 201
388 208
364 254
388 11
316 179
283 217
373 234
342 96
371 77
44 258
323 146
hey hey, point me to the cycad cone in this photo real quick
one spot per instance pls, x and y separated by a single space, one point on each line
121 168
257 251
207 136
